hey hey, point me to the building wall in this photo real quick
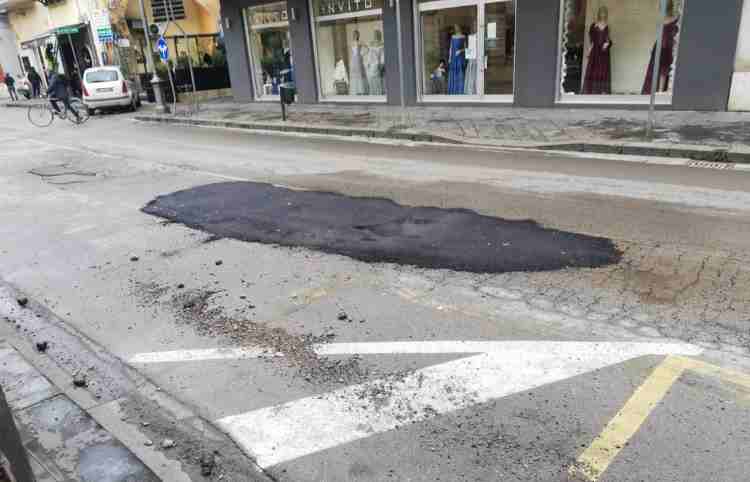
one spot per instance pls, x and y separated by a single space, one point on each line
29 22
739 98
703 69
201 16
65 13
8 50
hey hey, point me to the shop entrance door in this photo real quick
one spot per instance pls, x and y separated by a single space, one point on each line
269 46
466 49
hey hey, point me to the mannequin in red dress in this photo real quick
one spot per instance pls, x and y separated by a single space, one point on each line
668 40
599 67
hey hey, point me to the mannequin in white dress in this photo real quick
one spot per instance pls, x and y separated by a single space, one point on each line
357 76
376 65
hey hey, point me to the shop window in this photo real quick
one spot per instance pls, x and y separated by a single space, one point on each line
269 45
608 48
467 47
350 51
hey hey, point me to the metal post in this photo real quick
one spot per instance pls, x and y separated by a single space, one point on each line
655 73
190 60
75 59
155 80
11 446
401 69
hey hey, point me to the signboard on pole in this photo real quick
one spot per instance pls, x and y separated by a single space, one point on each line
102 26
161 46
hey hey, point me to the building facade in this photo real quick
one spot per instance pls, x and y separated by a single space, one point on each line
526 53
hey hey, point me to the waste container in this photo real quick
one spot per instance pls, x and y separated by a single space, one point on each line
287 93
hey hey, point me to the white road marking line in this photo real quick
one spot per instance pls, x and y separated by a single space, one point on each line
417 348
278 434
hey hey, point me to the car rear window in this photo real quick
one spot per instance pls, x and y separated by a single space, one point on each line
101 76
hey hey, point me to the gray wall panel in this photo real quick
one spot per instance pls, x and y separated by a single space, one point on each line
305 75
237 56
705 62
537 28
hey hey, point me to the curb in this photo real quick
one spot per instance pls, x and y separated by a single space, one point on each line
695 153
332 131
115 389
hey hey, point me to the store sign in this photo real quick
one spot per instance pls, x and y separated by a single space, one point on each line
67 30
333 7
270 16
102 26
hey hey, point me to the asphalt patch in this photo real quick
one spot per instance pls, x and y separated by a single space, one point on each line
379 230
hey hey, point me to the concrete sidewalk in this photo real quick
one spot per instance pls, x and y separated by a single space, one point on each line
713 136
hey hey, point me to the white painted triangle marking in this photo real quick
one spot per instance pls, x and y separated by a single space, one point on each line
282 433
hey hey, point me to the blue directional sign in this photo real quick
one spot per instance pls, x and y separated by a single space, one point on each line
161 45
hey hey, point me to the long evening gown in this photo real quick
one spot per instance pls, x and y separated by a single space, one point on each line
357 75
456 65
599 68
375 62
668 38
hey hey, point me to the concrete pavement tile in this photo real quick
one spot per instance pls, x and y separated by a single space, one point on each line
22 383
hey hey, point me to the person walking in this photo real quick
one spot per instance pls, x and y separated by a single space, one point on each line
36 82
58 91
10 83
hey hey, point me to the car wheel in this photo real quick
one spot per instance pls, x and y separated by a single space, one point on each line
90 111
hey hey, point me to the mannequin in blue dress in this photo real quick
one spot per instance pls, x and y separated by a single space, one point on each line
457 62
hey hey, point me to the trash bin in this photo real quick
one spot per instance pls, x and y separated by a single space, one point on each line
287 92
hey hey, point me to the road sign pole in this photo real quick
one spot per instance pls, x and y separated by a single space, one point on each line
656 72
155 80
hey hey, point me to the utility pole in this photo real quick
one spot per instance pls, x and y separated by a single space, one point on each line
155 80
656 72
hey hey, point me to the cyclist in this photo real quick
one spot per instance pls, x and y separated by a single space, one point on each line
58 90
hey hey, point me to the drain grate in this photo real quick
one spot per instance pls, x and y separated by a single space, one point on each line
711 165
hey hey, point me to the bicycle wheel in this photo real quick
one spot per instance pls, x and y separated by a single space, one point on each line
40 115
83 112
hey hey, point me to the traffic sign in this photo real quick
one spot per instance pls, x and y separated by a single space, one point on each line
161 45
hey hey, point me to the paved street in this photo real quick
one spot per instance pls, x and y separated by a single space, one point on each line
322 367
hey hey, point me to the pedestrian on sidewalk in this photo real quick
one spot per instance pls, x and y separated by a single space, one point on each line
10 83
36 83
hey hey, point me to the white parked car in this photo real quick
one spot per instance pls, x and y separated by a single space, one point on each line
106 87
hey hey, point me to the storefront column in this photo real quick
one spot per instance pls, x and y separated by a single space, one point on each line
537 26
238 60
705 63
390 34
300 31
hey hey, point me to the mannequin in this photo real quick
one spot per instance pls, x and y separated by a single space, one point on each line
457 62
668 38
376 65
599 67
357 76
471 71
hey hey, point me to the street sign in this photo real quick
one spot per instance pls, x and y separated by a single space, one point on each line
161 46
67 30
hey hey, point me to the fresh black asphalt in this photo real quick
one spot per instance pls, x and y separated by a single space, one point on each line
379 230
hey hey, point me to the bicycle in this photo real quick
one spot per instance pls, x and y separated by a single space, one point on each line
42 114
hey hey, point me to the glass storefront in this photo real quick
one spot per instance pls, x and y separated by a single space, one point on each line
467 48
350 52
608 50
269 46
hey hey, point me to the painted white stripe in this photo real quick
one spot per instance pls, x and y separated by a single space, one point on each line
278 434
201 355
404 347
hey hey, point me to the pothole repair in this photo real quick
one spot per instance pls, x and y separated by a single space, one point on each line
380 230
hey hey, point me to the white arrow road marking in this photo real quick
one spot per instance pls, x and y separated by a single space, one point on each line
281 433
398 348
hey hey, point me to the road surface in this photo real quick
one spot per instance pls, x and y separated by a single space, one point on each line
321 367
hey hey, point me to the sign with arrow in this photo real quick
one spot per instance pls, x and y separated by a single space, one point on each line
161 46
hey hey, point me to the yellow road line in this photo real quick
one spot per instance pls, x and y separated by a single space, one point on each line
592 463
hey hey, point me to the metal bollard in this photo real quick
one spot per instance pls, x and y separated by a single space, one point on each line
14 464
